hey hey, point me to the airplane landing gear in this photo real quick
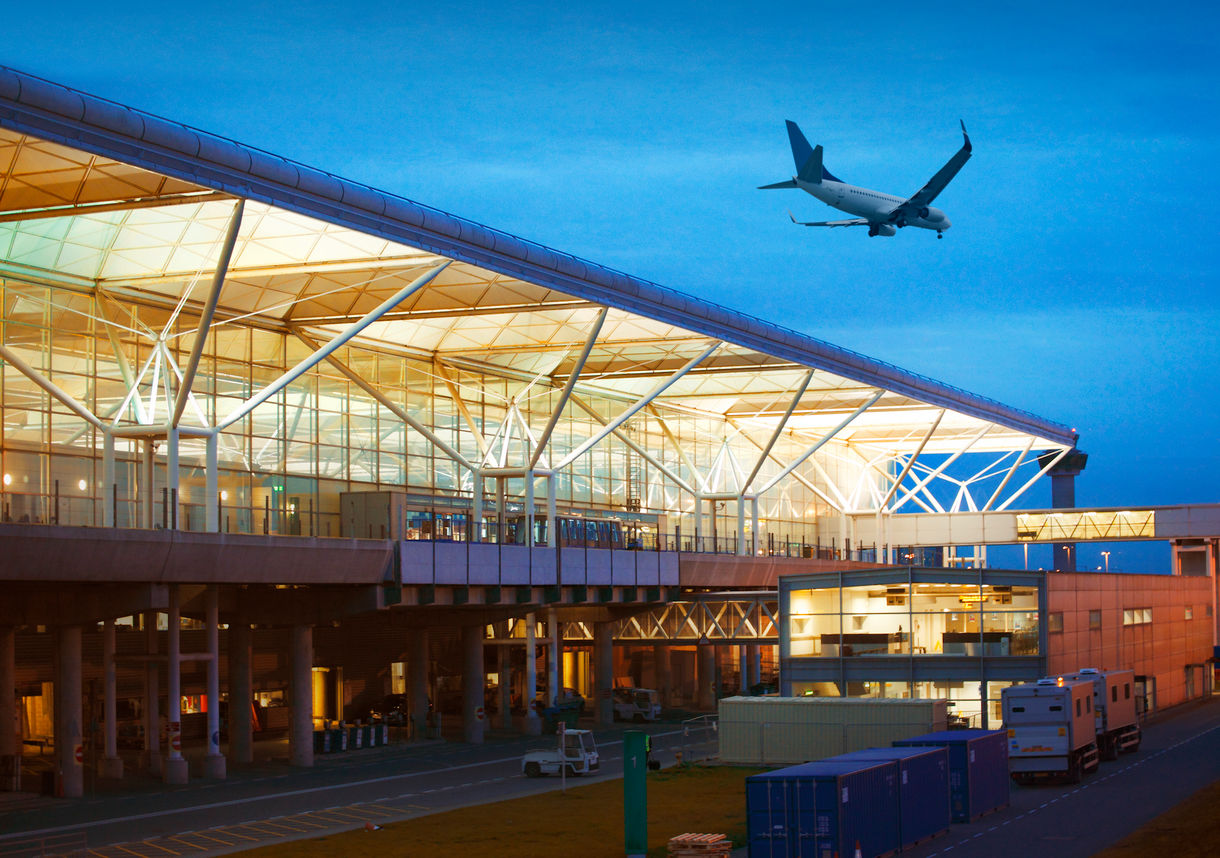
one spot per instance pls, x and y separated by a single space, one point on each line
940 234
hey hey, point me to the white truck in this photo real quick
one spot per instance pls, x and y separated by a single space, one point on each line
1118 728
1051 729
636 704
575 754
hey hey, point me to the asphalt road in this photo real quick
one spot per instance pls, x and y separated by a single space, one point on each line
1179 755
401 781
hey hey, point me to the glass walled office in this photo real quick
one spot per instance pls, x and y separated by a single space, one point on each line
963 635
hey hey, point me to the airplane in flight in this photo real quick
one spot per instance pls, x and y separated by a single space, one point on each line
883 214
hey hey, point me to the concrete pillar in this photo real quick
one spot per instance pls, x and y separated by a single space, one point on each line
1063 496
241 693
213 761
753 665
300 727
175 770
504 662
10 726
151 758
603 673
69 735
112 763
554 658
533 724
417 681
664 678
705 667
473 714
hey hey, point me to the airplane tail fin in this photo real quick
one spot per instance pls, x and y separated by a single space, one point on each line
808 159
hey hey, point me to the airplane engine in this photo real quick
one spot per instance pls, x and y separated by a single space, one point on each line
933 215
882 229
923 212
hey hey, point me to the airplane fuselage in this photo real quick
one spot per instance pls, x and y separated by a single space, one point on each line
870 204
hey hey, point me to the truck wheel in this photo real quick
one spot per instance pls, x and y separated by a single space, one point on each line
572 773
533 770
1073 772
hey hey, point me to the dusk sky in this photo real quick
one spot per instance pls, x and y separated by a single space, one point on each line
1079 278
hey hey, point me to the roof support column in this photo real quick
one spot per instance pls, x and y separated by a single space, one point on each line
754 524
211 490
698 521
742 548
171 479
529 510
552 529
476 512
109 489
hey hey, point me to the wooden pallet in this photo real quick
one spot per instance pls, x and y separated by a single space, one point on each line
699 845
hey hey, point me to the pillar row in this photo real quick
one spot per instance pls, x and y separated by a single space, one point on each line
300 728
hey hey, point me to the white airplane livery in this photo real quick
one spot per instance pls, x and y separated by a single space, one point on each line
883 214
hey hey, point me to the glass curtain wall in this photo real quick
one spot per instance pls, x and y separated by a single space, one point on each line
283 467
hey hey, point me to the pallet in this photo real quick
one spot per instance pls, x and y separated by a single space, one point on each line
698 845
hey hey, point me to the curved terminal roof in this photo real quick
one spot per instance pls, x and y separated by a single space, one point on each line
140 204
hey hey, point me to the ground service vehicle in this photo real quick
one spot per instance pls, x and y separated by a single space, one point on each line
576 751
1051 730
1118 729
636 704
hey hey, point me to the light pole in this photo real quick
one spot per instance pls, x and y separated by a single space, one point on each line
1106 556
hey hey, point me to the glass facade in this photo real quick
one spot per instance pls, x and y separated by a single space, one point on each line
915 619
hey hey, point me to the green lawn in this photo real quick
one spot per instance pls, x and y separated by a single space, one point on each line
586 821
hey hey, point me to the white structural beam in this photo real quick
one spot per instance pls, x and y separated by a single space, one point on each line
1050 464
681 451
590 341
957 454
779 429
208 312
456 393
331 347
911 463
65 398
631 411
1008 476
821 442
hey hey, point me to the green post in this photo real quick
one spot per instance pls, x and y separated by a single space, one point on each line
635 793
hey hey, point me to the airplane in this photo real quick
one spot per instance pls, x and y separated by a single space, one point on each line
883 214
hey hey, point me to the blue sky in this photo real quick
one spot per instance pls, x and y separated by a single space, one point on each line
1079 278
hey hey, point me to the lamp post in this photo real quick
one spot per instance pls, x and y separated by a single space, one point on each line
1106 556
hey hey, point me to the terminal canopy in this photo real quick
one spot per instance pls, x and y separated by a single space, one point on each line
352 339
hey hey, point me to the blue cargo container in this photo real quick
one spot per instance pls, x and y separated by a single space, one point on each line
823 809
923 789
978 769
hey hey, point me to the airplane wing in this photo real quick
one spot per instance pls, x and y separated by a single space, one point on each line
856 221
924 196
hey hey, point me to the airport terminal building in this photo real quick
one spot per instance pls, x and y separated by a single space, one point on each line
277 439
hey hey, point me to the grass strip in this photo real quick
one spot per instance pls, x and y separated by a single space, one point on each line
585 821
